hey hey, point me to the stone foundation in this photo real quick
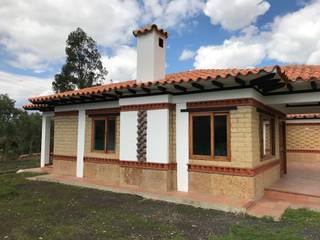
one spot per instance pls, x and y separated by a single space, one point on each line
149 179
64 167
108 173
242 184
224 185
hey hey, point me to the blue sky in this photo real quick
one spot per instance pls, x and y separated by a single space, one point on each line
203 34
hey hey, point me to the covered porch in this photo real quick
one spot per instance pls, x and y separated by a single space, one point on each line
300 179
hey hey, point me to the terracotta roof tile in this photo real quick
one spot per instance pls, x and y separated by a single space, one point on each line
291 73
303 116
149 28
302 72
32 106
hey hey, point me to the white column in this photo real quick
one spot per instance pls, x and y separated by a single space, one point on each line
182 147
81 141
45 138
158 136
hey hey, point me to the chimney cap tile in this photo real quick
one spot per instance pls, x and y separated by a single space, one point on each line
149 28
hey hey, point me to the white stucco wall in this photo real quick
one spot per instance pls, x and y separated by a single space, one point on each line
158 136
128 135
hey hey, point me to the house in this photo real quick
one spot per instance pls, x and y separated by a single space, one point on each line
211 131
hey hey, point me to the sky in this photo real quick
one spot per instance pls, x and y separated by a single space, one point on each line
202 34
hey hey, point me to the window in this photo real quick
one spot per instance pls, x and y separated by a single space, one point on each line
266 136
209 136
104 134
161 42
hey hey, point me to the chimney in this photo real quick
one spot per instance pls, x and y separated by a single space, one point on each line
151 53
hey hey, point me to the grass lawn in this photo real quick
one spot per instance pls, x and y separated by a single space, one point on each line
13 166
39 210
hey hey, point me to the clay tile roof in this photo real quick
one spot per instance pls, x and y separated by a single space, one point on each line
149 28
290 73
35 106
303 116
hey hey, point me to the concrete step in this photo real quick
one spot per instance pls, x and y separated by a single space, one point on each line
292 197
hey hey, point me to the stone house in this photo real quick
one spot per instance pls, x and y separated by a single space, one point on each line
212 131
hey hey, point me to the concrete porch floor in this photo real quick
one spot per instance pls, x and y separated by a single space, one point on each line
197 200
299 188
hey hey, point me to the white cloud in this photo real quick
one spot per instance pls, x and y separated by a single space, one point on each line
171 13
121 66
34 32
235 14
20 87
294 37
186 54
236 52
231 54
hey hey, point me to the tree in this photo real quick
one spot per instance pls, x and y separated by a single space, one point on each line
83 67
20 132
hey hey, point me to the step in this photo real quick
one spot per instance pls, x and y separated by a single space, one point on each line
292 197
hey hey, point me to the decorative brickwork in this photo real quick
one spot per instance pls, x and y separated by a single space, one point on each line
142 136
145 165
303 137
232 170
101 160
150 106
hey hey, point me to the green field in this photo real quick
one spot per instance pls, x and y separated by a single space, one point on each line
39 210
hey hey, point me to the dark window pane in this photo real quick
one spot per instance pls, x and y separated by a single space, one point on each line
201 138
220 136
111 134
99 133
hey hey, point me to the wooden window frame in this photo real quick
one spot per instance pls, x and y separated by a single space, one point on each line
212 157
106 120
272 137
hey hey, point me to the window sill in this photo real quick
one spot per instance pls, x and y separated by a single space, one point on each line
267 157
204 158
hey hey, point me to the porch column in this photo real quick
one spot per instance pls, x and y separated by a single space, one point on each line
81 141
182 147
45 138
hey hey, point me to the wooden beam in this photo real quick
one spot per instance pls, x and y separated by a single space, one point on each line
147 90
110 95
181 88
258 80
303 105
130 90
99 96
273 87
313 85
218 84
240 81
86 97
197 85
119 93
162 89
210 109
268 83
290 87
